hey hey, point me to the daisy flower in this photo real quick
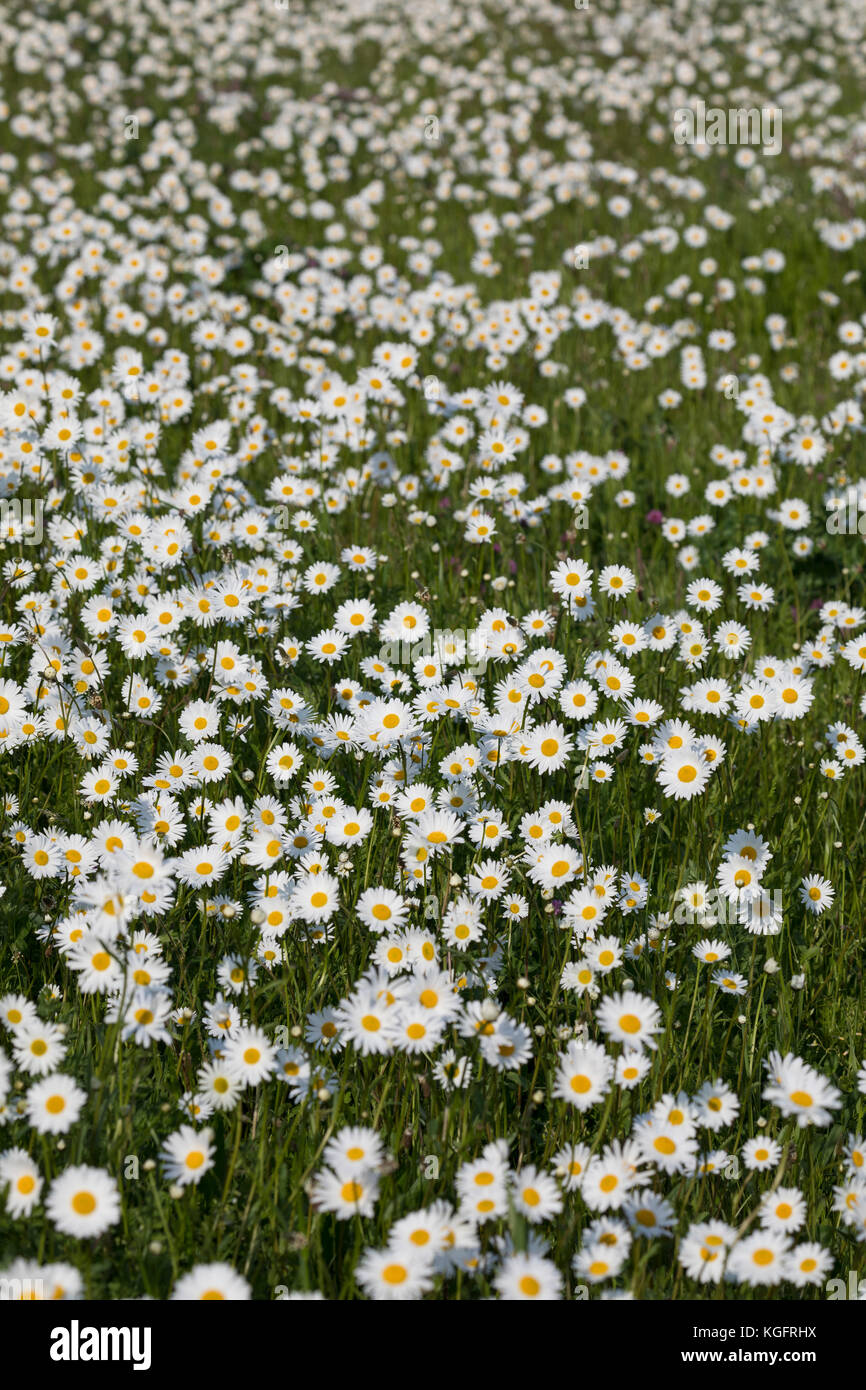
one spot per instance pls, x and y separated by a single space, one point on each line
83 1202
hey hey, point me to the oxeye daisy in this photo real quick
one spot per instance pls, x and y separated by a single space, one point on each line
760 1154
629 1018
382 910
601 771
23 1181
535 1195
571 579
187 1155
650 1215
703 1251
616 681
38 1048
808 1264
364 1021
817 894
704 594
759 1259
748 844
528 1277
631 1068
729 982
354 1148
266 812
643 713
514 908
732 640
758 597
201 866
316 898
604 954
799 1091
739 878
218 1085
569 1165
617 581
548 747
452 1071
783 1210
327 647
16 1010
83 1202
711 749
556 866
855 1154
54 1103
489 881
211 1283
508 1047
716 1105
683 774
583 1075
199 720
578 700
586 909
438 830
762 914
609 1177
597 1261
250 1055
394 1275
346 1195
671 1147
711 951
411 1029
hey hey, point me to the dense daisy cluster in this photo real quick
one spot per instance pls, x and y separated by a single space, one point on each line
431 641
